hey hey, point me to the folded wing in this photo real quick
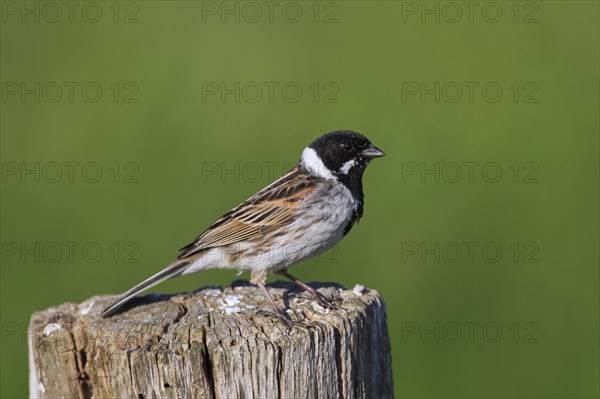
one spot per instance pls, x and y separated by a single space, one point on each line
272 208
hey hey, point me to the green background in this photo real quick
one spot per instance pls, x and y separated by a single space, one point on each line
370 53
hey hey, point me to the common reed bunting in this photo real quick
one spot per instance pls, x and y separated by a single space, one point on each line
302 214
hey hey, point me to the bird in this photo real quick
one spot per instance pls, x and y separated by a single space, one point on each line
302 214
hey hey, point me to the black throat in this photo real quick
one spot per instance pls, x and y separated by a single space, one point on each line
353 181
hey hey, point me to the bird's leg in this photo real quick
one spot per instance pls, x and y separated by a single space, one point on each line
316 295
270 299
259 278
280 314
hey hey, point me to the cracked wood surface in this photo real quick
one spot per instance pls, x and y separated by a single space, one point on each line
214 343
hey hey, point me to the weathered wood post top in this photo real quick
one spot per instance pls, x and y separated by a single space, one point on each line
214 343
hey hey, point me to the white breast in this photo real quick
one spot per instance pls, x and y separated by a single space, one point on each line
325 217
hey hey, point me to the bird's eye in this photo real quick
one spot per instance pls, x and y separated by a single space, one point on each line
347 147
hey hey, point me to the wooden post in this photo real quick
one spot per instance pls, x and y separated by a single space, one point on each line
214 343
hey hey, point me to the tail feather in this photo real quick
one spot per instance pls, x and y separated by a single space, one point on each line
172 270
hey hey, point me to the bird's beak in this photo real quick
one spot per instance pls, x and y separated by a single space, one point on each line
372 152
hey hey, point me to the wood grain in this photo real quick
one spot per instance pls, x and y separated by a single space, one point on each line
214 343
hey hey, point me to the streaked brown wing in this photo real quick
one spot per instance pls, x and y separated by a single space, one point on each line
271 208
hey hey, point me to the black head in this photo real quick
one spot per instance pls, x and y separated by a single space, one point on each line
342 155
343 152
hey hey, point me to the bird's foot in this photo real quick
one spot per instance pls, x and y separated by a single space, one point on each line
327 303
322 300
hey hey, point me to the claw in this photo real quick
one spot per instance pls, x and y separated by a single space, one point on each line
316 295
326 302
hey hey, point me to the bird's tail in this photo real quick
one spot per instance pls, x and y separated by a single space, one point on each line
174 269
